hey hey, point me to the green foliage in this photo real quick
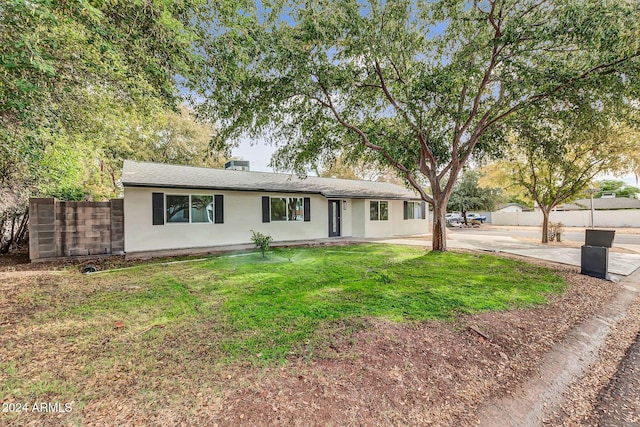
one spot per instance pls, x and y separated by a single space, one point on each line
81 77
468 196
262 241
619 188
420 86
555 155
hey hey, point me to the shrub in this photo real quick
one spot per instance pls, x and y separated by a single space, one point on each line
262 241
555 231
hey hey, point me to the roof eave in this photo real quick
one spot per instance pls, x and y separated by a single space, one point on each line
268 190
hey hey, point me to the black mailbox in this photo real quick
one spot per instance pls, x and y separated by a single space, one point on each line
599 238
594 256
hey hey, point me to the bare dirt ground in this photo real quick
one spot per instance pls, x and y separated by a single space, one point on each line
431 373
609 392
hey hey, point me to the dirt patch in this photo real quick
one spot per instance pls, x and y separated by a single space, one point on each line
424 374
595 398
428 373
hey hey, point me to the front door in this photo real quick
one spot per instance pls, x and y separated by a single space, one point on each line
334 218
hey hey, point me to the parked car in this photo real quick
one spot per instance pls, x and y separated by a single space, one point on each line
476 216
453 217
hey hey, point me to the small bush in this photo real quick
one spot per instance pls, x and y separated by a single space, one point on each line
262 241
555 231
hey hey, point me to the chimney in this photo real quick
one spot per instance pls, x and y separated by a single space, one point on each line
237 165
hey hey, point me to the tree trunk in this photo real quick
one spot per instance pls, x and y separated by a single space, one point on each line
545 225
439 229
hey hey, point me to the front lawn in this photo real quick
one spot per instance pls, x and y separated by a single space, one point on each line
188 322
269 308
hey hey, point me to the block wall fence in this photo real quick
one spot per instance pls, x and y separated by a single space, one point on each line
70 229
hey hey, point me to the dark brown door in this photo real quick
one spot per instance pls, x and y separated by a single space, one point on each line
334 218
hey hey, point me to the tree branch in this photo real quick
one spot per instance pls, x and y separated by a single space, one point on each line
367 143
568 83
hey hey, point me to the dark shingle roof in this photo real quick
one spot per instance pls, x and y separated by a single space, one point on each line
602 203
143 174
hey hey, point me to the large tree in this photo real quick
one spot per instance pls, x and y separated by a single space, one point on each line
423 85
61 61
468 195
555 157
75 77
617 187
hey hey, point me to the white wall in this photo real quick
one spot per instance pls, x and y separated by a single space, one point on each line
396 225
346 217
242 213
510 209
582 218
377 228
408 227
358 218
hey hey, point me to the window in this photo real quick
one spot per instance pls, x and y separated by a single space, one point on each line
202 209
177 208
287 209
378 211
414 210
193 208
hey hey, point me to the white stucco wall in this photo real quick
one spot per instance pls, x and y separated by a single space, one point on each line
358 217
582 218
396 225
510 209
408 227
242 213
346 217
379 228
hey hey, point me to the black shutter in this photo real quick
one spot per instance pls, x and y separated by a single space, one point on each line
406 209
266 214
307 209
423 210
218 205
157 203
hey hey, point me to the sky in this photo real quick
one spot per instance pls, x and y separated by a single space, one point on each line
258 155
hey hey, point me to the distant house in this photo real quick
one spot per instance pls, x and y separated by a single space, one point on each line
512 207
180 207
605 203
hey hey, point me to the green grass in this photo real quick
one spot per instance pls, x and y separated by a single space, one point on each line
250 308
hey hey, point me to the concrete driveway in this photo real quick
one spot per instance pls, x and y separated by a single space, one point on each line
619 263
622 264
